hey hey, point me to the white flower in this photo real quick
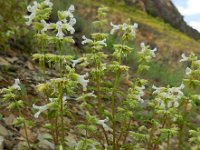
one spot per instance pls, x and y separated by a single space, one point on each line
142 45
45 26
74 62
72 21
40 109
134 28
91 94
139 93
60 33
81 79
184 58
124 26
103 42
69 12
182 86
65 98
86 40
188 71
45 107
145 48
115 28
157 89
153 52
48 3
53 99
103 123
16 84
32 10
70 29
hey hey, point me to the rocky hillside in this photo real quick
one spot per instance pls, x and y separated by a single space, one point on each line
167 11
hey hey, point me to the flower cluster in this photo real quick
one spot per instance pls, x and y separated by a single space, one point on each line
38 11
52 104
168 97
96 45
65 24
192 73
146 53
124 27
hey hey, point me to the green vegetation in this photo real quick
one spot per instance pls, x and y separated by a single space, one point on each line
106 94
11 20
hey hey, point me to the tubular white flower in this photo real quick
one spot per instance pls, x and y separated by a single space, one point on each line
74 62
65 98
145 48
173 95
70 29
103 42
153 52
69 12
45 26
89 41
48 3
134 28
32 10
86 40
91 94
124 26
142 45
16 84
184 58
103 123
157 89
139 93
115 28
40 109
72 21
60 33
81 79
188 71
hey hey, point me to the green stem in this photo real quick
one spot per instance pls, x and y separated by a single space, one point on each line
113 108
150 139
60 98
126 133
106 136
168 142
97 65
61 115
182 127
26 136
25 129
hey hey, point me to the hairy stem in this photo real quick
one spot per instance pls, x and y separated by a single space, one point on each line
60 98
168 141
26 135
114 108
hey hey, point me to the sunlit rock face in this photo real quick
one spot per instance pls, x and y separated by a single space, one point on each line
167 11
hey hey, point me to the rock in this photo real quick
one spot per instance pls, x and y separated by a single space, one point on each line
29 65
21 145
9 120
31 135
9 144
71 140
3 62
3 131
1 142
12 59
44 141
167 11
